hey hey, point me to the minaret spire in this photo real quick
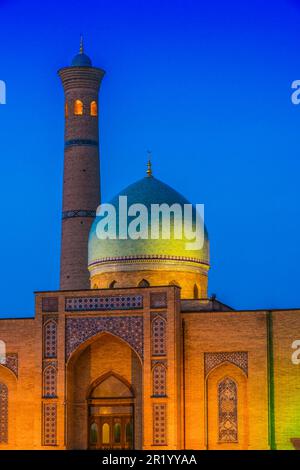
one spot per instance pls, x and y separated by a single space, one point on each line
149 168
149 164
81 48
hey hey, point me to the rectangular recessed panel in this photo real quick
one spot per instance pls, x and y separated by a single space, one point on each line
116 302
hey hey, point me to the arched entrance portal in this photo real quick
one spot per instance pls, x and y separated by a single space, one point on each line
104 395
111 414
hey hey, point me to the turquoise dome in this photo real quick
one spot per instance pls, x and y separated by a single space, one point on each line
81 60
147 191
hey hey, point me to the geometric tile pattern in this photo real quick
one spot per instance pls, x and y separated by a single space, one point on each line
50 382
50 304
50 339
228 419
50 423
11 362
159 336
117 302
159 375
159 424
158 300
3 414
128 328
212 360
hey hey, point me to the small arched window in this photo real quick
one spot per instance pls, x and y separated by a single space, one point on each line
105 433
117 433
174 283
66 110
112 284
78 108
196 292
144 283
95 286
94 434
129 433
94 108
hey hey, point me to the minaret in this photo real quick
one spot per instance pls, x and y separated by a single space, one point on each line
81 183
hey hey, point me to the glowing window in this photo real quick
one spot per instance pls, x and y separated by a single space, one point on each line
105 433
78 108
94 108
66 110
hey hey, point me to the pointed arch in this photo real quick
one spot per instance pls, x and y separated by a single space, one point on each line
111 381
78 108
81 347
144 283
50 381
226 407
94 108
196 292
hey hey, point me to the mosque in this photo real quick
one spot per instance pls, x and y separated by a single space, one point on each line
130 352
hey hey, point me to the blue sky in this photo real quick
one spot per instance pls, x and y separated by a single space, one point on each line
205 86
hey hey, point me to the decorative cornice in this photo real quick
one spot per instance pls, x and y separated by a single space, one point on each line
78 213
80 142
149 257
153 262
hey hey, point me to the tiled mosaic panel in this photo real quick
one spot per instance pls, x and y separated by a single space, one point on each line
159 336
50 382
158 300
228 419
160 424
50 339
79 330
50 304
159 375
50 423
212 360
3 414
117 302
11 362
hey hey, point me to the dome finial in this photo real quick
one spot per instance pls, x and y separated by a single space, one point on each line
149 164
81 48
